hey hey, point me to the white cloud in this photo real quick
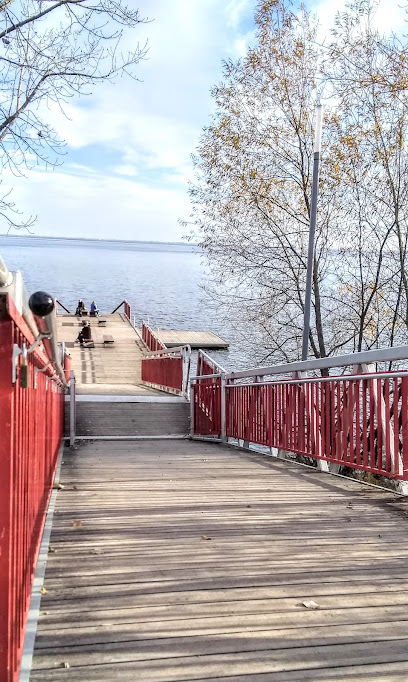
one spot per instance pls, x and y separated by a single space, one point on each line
132 141
98 205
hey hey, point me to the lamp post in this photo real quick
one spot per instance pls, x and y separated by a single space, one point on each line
312 230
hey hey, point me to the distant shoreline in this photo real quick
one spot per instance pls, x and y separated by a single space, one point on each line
97 240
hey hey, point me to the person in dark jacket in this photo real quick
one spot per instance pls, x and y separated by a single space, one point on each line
87 332
80 307
85 335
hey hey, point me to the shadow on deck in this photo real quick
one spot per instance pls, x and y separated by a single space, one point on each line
179 560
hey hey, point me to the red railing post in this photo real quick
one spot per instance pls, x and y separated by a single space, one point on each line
6 474
31 423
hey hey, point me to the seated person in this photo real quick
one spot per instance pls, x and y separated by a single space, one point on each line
87 332
80 307
80 337
94 308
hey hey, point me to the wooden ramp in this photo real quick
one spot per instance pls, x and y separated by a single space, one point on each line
176 561
106 368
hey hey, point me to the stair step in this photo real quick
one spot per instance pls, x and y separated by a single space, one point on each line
129 419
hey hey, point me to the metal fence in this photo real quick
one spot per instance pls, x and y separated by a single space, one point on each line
208 398
151 340
31 423
126 308
358 420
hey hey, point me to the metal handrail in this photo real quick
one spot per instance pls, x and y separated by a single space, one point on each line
213 362
204 376
318 380
12 284
62 306
166 351
364 358
6 276
125 303
48 325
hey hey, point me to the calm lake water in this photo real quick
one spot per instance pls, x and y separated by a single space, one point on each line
162 282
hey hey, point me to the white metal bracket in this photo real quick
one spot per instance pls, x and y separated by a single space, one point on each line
24 351
36 371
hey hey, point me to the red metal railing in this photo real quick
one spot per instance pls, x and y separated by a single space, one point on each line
31 423
357 420
358 423
164 372
151 340
126 308
165 368
206 397
206 413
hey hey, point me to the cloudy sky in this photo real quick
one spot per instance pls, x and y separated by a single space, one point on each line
129 145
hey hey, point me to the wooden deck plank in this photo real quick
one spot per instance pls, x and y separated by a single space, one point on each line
196 339
189 561
117 369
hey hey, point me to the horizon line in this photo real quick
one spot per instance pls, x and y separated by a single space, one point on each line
96 239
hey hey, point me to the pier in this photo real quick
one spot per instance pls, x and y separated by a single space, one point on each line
179 560
183 539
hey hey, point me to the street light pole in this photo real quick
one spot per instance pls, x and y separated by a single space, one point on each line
312 230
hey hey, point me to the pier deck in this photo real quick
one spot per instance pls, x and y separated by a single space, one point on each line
105 369
176 561
195 339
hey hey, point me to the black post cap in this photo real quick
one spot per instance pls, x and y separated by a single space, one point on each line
41 303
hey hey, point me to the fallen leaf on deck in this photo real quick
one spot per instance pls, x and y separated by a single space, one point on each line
58 486
310 604
65 664
51 550
43 590
205 537
76 524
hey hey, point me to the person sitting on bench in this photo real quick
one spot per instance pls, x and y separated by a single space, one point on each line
80 308
85 334
94 309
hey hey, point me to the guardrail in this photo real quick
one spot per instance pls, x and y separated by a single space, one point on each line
126 308
168 369
357 420
62 306
151 340
207 398
31 419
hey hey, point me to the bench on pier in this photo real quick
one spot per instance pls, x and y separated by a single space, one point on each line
101 323
108 340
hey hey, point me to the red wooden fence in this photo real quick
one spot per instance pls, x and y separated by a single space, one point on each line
31 423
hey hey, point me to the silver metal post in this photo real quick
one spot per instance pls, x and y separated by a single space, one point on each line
312 229
72 410
223 424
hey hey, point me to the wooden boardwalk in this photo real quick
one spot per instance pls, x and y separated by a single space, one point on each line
196 339
176 561
105 369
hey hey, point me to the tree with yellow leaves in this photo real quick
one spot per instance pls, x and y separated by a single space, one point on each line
251 200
